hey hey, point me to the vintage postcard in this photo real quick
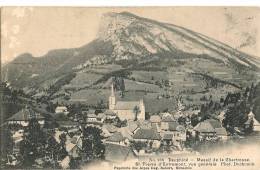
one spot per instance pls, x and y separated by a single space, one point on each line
124 88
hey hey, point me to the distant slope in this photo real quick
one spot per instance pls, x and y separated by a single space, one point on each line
27 70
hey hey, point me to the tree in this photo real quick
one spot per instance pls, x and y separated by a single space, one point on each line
33 145
236 116
52 148
139 145
92 146
136 111
182 121
62 139
28 152
250 127
194 120
51 107
251 93
6 144
246 92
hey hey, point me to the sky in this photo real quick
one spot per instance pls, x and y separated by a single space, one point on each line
37 30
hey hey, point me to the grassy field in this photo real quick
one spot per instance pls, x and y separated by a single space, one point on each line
84 79
193 79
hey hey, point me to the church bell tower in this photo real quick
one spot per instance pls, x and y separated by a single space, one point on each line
112 98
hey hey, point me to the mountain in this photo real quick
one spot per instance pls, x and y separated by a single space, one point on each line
157 60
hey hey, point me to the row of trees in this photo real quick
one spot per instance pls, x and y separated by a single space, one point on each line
241 104
237 106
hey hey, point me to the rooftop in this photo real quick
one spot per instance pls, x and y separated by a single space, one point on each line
61 107
132 125
126 105
168 118
110 128
125 131
208 126
118 153
173 126
149 134
204 127
221 131
91 115
155 119
116 137
214 123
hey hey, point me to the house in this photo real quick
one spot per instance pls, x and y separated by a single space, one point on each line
166 119
156 119
61 109
91 118
101 117
178 131
207 129
256 124
18 135
148 135
126 110
118 153
132 126
221 133
156 122
175 133
24 116
167 138
88 111
155 127
221 115
116 138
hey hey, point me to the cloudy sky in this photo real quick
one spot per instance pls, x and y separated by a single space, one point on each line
38 30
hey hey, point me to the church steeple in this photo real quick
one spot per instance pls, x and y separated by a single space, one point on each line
112 98
112 90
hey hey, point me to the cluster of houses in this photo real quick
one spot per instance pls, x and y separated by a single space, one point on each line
135 138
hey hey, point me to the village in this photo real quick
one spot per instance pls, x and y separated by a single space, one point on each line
125 132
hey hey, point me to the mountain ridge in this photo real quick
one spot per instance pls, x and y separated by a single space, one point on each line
136 46
218 47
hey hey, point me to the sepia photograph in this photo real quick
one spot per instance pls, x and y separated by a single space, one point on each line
130 88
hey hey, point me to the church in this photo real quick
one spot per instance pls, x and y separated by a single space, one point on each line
126 110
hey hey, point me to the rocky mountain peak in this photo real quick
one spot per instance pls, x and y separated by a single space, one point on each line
113 22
